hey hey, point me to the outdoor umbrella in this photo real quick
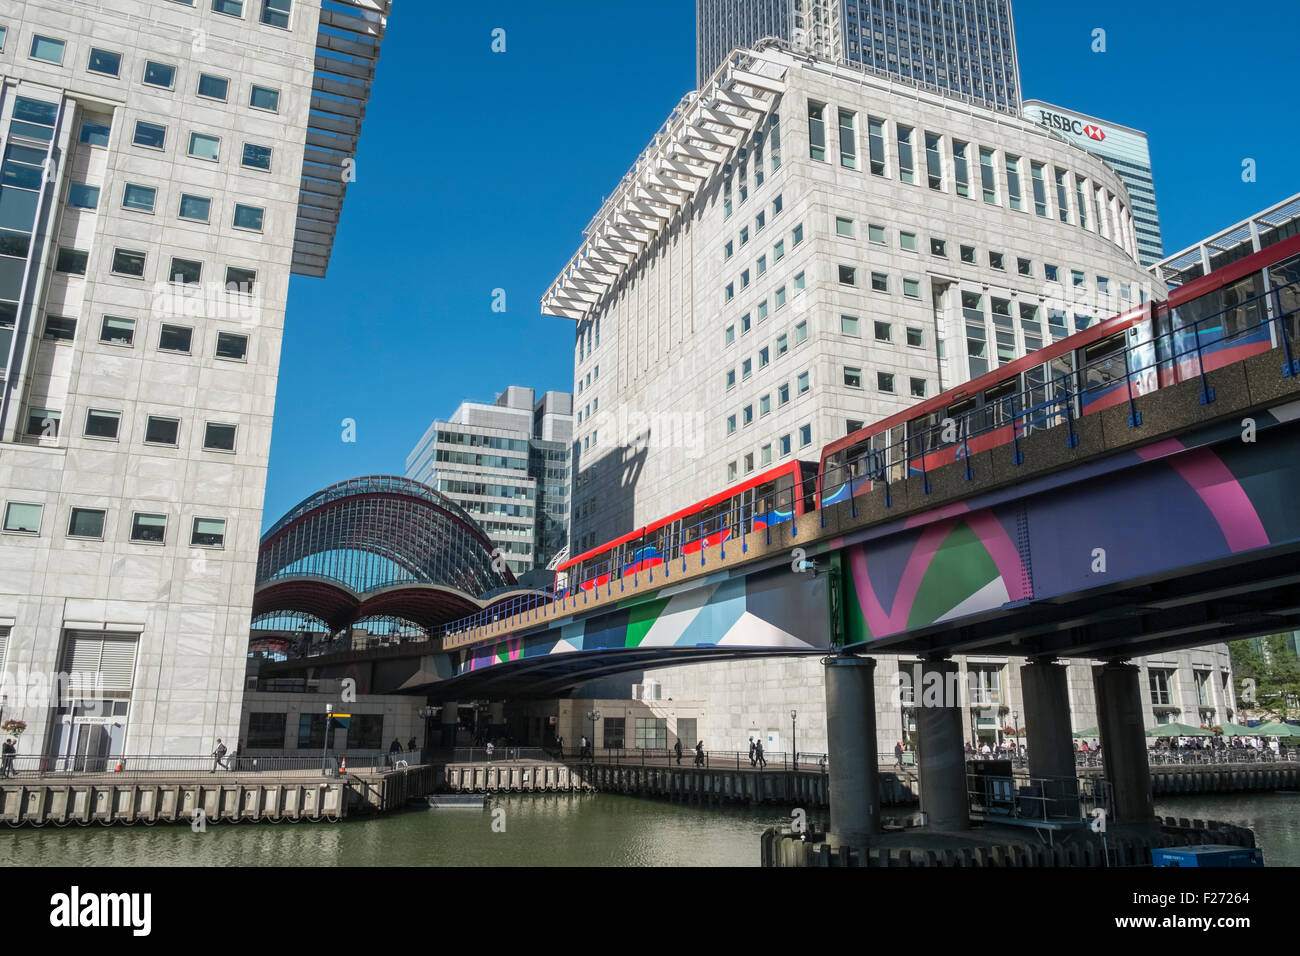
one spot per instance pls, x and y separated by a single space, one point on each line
1090 732
1237 730
1275 729
1178 730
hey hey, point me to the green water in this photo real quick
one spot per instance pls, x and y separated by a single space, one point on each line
549 830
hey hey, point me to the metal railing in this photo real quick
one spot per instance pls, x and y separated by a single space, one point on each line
127 766
709 759
1168 357
481 754
1037 799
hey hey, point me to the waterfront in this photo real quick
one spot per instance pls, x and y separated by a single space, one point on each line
551 830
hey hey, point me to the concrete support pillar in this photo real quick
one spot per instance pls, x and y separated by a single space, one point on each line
1123 741
940 758
1047 718
450 721
851 743
496 719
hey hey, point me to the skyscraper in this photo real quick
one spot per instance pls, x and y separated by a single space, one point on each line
960 48
507 464
1126 151
167 166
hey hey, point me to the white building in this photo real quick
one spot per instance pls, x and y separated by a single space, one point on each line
804 248
507 464
162 179
1123 148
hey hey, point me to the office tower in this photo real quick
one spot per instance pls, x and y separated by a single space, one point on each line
507 464
960 48
167 166
1126 151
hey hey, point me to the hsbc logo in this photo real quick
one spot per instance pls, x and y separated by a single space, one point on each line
1068 124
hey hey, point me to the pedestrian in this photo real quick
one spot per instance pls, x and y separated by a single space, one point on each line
751 751
217 756
986 751
395 747
898 754
7 754
582 746
677 749
490 750
410 744
699 753
759 759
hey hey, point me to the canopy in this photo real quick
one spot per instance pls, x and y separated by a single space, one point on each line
1091 732
1275 729
1178 730
1237 730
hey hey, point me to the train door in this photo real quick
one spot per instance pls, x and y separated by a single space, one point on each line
1104 371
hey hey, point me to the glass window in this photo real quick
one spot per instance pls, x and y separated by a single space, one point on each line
905 171
208 533
960 169
86 523
206 147
907 240
1050 272
849 324
1013 181
764 405
731 378
879 282
128 263
185 270
987 179
71 261
231 345
843 226
23 518
95 134
996 261
60 329
800 333
731 472
746 368
848 140
783 394
876 135
116 330
140 198
933 162
912 288
797 234
938 247
765 454
885 381
213 87
101 424
802 383
747 415
257 157
729 336
150 135
104 61
852 377
248 217
918 387
48 49
848 275
1062 201
219 437
42 423
276 12
1040 188
264 98
778 251
149 528
175 338
882 332
805 436
968 254
1024 266
198 208
159 74
81 196
749 463
731 424
817 131
876 233
785 445
233 8
162 431
915 336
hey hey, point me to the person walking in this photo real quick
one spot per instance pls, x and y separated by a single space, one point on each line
699 753
759 759
898 755
7 754
410 744
677 749
751 751
217 756
490 750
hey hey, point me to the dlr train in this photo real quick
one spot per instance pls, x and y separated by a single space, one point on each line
1239 310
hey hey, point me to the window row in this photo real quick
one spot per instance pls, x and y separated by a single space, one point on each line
769 353
131 263
204 146
760 221
106 424
751 157
138 197
120 330
760 264
90 523
802 384
884 382
782 447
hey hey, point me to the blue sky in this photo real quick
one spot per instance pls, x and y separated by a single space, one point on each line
479 170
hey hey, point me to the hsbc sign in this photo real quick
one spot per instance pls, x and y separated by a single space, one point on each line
1068 124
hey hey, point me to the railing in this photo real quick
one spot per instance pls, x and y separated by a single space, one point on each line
481 754
710 759
1036 799
1168 357
129 766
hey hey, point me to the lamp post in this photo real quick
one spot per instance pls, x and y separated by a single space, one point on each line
593 716
1015 720
794 741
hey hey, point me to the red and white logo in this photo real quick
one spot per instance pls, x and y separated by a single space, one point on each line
1094 132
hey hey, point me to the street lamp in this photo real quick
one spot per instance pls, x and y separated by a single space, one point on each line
1015 720
794 745
593 716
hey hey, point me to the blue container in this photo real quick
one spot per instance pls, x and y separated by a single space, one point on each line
1207 856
